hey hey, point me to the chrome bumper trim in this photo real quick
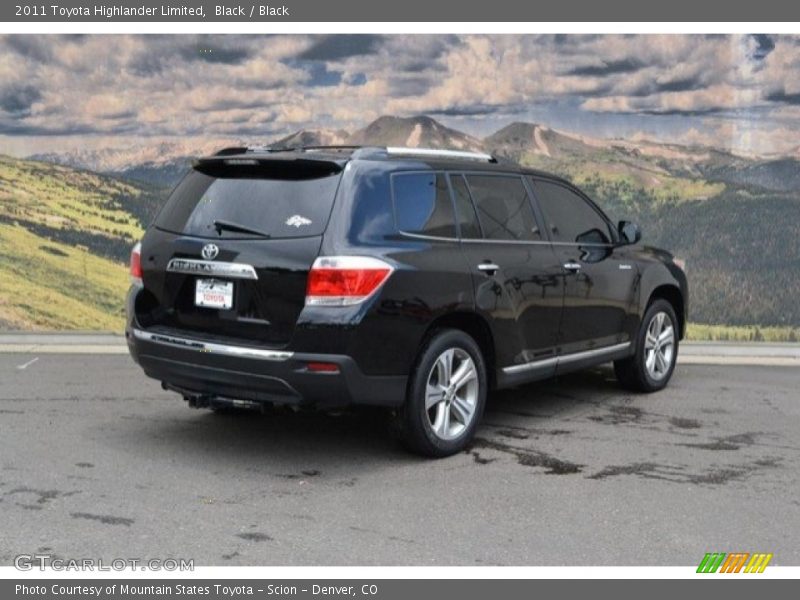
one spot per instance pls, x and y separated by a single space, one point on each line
212 348
566 359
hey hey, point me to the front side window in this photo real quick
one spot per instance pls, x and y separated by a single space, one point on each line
568 216
503 207
422 204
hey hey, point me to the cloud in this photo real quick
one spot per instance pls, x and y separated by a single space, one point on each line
235 85
784 98
337 47
614 67
18 100
764 45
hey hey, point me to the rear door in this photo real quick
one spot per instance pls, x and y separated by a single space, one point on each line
230 252
515 273
599 282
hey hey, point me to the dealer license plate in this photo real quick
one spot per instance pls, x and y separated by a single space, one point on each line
213 293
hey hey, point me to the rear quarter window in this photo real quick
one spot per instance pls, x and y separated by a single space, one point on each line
280 208
422 204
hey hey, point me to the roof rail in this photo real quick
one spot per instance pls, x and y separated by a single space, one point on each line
362 151
319 148
332 147
435 152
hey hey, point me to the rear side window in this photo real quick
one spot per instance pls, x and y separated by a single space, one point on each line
504 208
465 211
280 208
569 217
422 204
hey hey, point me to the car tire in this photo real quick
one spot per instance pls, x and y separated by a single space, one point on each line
444 404
653 363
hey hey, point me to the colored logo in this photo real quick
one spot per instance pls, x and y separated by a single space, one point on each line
736 562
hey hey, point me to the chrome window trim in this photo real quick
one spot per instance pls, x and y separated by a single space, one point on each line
565 359
424 236
191 266
484 241
537 242
212 348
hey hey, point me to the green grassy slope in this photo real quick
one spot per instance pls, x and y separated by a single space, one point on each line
65 236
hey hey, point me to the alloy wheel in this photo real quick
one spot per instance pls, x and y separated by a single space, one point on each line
451 393
659 346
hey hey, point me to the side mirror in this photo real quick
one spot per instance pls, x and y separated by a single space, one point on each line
629 233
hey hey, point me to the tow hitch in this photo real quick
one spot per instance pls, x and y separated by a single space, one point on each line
198 400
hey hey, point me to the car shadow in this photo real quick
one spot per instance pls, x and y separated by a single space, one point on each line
291 443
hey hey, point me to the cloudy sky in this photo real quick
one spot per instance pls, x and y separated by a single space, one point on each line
739 92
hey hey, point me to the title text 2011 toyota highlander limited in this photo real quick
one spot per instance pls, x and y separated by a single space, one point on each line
412 279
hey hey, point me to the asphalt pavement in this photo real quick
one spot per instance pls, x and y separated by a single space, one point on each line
96 461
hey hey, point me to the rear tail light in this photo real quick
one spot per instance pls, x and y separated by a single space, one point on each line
345 280
136 263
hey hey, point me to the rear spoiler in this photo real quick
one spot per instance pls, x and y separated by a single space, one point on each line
270 167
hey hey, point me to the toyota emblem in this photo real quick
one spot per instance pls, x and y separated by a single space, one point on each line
210 251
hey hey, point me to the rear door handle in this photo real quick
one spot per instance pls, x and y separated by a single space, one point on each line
488 267
572 266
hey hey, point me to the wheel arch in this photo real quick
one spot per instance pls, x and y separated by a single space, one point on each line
672 294
477 328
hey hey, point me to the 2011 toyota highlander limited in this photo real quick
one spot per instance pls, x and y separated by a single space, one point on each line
413 279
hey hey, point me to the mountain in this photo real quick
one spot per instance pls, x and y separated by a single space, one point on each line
414 132
643 162
615 169
120 158
731 217
520 139
312 137
160 164
781 175
163 175
646 161
65 237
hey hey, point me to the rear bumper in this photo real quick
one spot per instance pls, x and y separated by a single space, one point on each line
247 373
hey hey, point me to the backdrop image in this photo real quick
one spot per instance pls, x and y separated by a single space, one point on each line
693 137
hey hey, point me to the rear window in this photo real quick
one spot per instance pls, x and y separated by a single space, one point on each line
422 204
279 208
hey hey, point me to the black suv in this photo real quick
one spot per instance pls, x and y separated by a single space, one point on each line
412 279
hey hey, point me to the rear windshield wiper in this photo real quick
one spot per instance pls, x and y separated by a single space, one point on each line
221 226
